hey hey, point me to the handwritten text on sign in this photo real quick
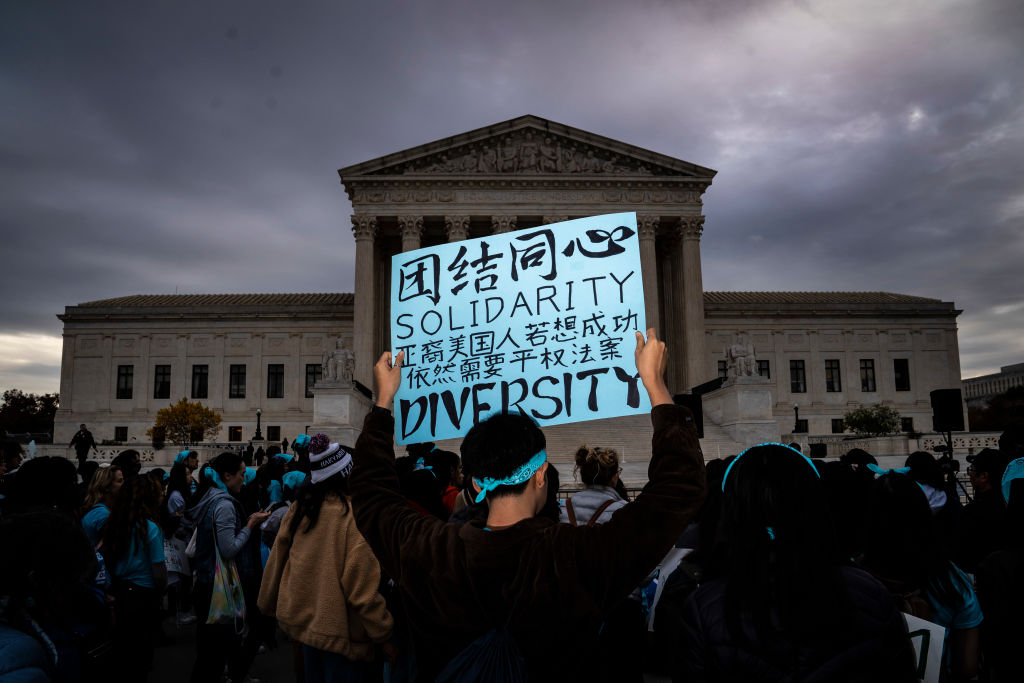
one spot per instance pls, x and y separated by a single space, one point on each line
541 320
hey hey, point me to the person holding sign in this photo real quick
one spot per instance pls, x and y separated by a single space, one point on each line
538 589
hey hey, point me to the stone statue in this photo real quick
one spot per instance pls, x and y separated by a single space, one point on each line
347 366
509 156
330 366
740 355
548 157
528 157
488 161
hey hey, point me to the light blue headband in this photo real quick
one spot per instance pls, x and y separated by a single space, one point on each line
250 475
882 472
212 475
521 474
293 479
181 457
769 443
287 457
301 441
1014 470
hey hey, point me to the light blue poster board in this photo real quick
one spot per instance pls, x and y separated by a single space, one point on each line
541 320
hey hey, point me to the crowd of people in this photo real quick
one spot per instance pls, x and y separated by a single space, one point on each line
764 566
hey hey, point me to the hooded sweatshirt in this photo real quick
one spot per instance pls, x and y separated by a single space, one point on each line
221 513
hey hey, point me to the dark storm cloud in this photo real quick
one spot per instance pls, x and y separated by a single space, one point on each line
194 146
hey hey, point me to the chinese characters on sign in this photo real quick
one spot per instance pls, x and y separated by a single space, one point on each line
542 321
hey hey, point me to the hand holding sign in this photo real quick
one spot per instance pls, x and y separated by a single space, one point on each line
387 378
651 361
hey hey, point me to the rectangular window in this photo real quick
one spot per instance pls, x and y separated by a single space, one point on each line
833 382
313 375
867 374
800 427
200 381
906 424
125 379
275 380
764 369
236 382
901 373
837 426
797 377
120 434
273 433
723 369
234 433
162 381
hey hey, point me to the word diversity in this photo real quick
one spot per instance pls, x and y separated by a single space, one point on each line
541 321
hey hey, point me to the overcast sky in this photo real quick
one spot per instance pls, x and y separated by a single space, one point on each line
157 147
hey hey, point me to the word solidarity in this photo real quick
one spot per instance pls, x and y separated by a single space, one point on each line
529 321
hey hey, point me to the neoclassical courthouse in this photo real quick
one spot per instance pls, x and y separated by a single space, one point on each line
820 353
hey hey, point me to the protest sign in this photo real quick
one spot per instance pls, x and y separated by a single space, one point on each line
541 320
927 639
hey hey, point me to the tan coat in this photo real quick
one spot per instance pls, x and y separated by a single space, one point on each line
322 585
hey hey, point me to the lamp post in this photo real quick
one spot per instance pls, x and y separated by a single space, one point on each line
258 436
796 419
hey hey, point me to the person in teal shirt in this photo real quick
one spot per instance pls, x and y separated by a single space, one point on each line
133 547
99 499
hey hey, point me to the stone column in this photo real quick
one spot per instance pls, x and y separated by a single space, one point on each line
502 224
647 227
457 227
412 231
548 220
690 228
364 228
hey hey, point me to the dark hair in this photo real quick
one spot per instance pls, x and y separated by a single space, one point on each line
45 483
924 468
178 480
596 466
857 457
901 542
126 461
46 555
137 503
445 464
225 463
1011 442
425 488
87 470
847 492
775 548
310 498
497 446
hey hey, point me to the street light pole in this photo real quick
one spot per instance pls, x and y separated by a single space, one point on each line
258 436
796 418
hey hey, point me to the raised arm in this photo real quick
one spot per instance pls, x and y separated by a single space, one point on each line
383 515
622 551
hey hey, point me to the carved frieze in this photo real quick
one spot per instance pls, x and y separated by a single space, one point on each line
526 152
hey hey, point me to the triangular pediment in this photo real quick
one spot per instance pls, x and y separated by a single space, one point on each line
527 145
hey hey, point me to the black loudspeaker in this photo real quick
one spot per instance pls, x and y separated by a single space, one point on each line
947 410
693 402
819 450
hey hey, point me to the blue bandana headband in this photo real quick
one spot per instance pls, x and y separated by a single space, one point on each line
293 479
212 475
250 475
768 443
521 474
287 457
301 441
181 457
882 472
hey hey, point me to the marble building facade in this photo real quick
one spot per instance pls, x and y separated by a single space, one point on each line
514 175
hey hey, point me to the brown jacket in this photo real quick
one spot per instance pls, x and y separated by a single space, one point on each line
322 585
550 583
